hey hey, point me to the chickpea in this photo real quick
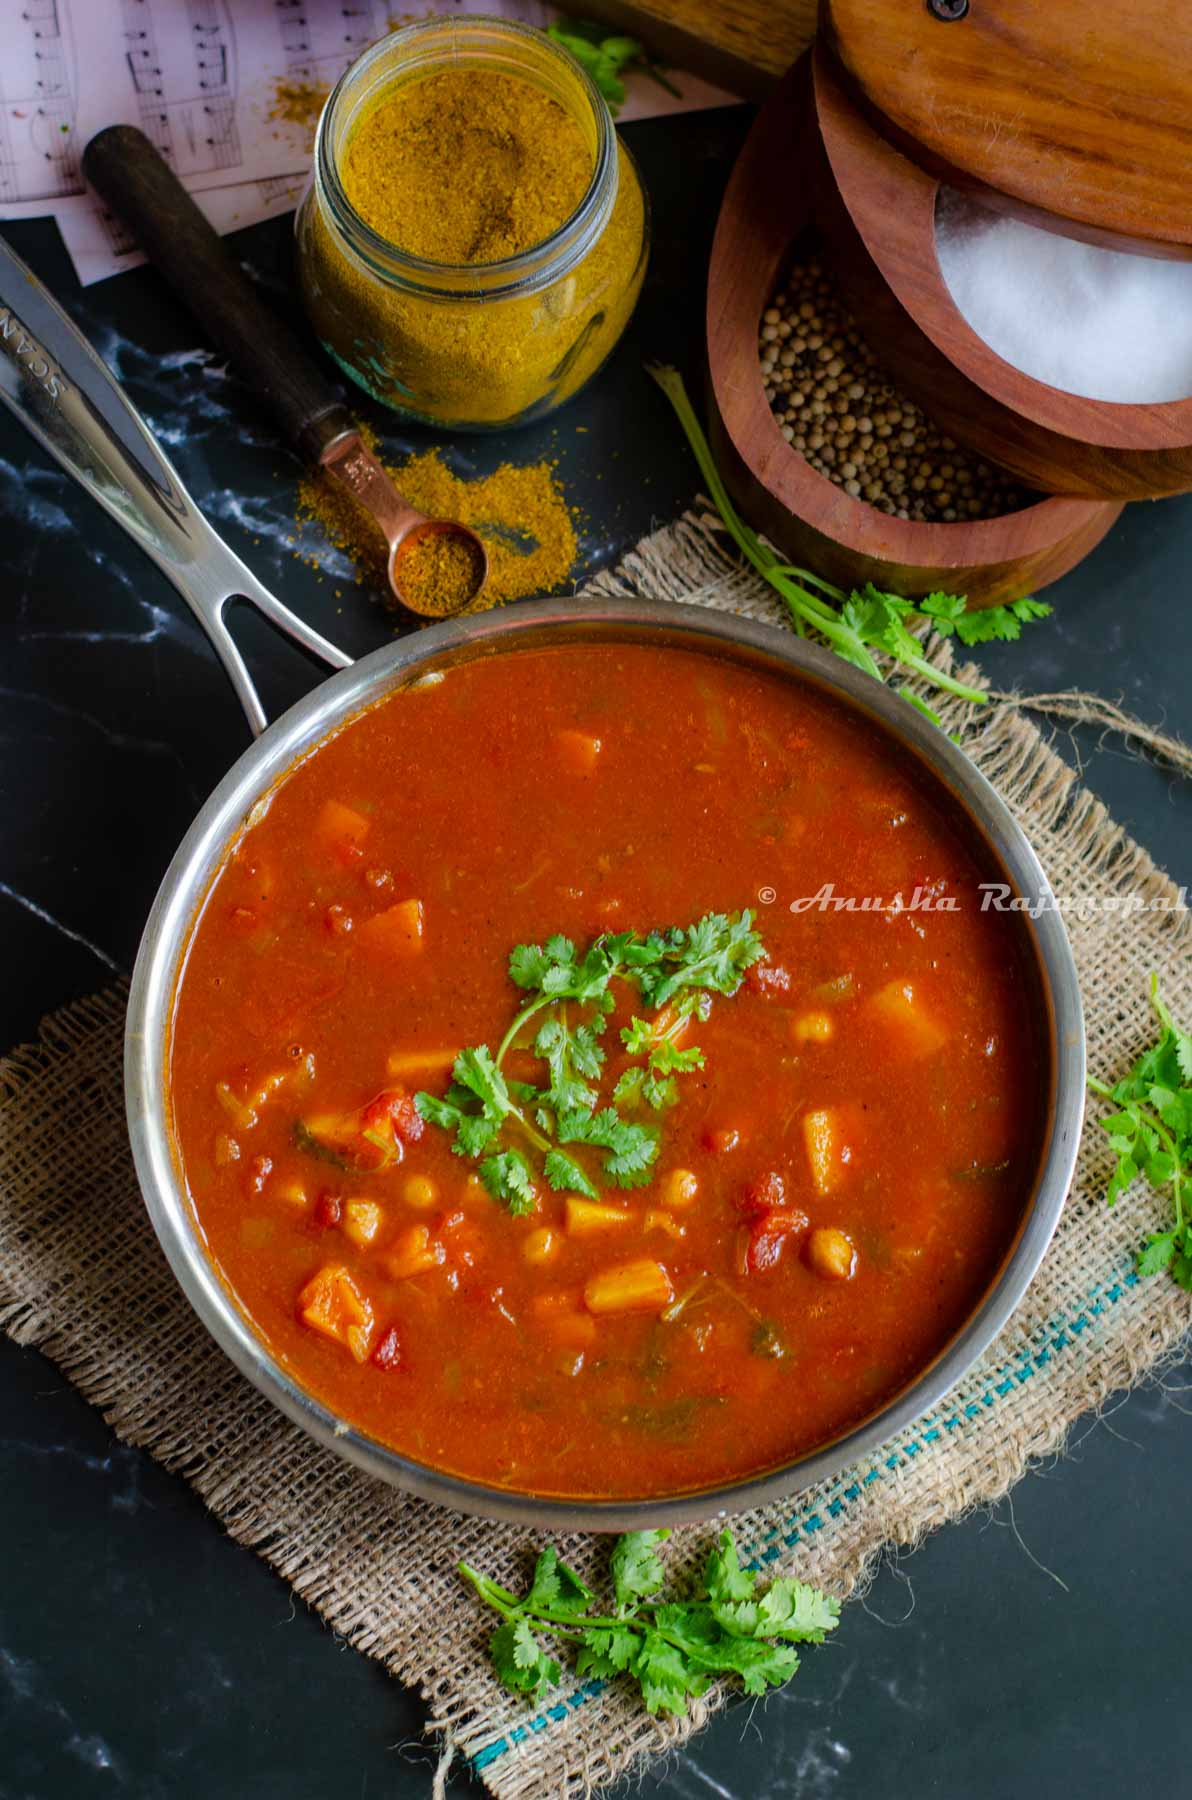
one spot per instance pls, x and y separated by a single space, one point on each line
831 1253
679 1188
420 1191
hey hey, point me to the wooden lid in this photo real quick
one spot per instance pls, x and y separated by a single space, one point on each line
1079 109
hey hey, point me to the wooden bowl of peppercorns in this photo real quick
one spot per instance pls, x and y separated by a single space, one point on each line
818 446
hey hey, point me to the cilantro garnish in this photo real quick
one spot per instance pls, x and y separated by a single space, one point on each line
675 1649
606 58
676 972
1151 1135
857 624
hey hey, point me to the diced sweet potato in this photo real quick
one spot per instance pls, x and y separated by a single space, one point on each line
361 1221
333 1305
398 931
588 1217
828 1153
341 828
414 1253
372 1137
579 751
560 1319
640 1286
541 1245
403 1064
900 1006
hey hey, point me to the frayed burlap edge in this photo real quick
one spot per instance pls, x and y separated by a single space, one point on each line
82 1278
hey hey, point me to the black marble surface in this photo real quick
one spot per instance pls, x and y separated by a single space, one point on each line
1039 1649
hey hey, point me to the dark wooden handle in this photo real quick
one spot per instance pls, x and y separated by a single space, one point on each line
130 175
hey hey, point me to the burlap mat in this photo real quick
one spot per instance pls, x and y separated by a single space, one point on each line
81 1277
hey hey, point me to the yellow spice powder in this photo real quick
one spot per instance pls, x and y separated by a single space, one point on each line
521 514
468 166
297 103
439 571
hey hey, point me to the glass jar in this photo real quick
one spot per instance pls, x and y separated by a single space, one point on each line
482 346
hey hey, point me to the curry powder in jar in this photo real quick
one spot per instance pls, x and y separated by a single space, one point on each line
475 234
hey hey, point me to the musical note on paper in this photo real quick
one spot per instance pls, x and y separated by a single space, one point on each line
39 157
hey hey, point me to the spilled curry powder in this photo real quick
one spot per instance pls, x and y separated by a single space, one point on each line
521 514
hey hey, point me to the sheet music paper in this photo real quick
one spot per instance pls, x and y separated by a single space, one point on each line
200 78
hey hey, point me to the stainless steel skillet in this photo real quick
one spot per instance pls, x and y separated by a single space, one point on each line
54 383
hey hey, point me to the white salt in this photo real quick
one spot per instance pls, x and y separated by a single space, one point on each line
1100 323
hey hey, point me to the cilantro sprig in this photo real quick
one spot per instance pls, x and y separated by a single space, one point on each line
855 624
673 1649
607 57
500 1122
1151 1135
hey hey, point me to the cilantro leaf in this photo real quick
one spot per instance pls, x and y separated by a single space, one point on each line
673 1649
1151 1135
988 624
567 1003
566 1176
714 953
1157 1253
632 1149
724 1577
665 1676
791 1609
557 1586
858 624
520 1662
635 1568
507 1177
605 57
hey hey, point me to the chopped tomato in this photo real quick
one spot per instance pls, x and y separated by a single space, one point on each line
329 1209
766 1194
721 1138
387 1354
768 1235
394 1110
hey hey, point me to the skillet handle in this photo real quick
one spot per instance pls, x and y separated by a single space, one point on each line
54 383
132 176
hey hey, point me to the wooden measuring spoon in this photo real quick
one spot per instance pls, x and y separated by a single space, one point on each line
132 178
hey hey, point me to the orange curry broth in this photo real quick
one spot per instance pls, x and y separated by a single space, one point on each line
482 802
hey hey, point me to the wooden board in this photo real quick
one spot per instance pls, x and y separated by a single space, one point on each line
1079 108
743 45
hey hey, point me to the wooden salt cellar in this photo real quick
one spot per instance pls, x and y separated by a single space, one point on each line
1081 127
